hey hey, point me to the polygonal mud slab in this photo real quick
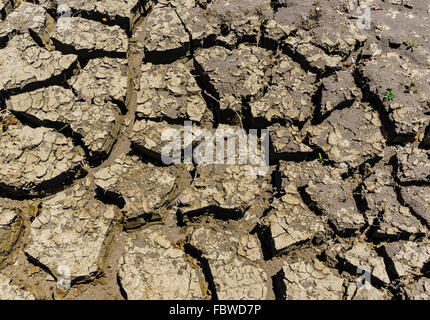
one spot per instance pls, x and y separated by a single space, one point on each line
234 261
289 95
393 34
165 141
312 280
304 276
240 20
386 216
333 197
296 175
338 91
140 188
408 257
360 259
9 291
169 91
311 57
204 27
227 190
123 12
151 267
291 222
96 124
69 233
27 18
90 35
350 136
232 174
35 161
176 28
230 76
356 291
407 113
325 192
288 17
418 199
414 164
342 40
23 64
103 78
167 39
11 226
389 21
152 138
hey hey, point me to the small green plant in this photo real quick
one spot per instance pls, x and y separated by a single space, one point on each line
389 95
411 88
411 44
321 158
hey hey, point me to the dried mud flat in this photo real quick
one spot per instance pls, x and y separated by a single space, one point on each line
84 196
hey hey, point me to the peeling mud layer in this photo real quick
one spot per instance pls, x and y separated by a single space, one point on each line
89 209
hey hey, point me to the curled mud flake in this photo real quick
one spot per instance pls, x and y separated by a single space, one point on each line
243 19
361 259
338 92
341 210
147 137
305 275
343 40
116 10
311 57
7 6
287 141
357 292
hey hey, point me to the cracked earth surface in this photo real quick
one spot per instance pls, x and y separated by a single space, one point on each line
85 197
